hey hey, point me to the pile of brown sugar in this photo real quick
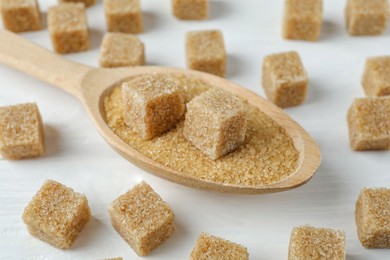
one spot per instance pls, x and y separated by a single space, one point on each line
267 156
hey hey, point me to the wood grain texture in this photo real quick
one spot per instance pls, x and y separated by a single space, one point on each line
91 85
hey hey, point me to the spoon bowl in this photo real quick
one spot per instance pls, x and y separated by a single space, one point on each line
92 85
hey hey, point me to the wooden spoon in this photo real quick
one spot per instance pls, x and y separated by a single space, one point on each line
91 85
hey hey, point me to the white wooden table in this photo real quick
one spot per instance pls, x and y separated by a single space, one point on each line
78 157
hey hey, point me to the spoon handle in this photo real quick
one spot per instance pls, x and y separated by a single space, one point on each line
40 63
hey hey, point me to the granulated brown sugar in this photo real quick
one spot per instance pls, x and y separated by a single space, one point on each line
267 156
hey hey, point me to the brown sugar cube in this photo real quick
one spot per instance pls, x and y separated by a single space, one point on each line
153 104
214 248
142 218
119 50
21 132
206 52
191 9
302 20
68 27
369 123
316 243
85 2
56 214
284 79
21 15
216 123
373 218
124 16
376 76
366 17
